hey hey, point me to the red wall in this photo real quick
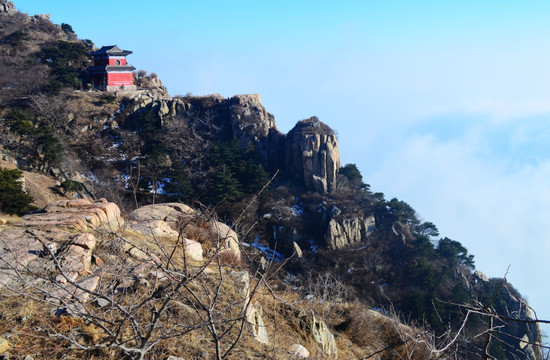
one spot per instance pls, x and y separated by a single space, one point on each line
122 61
119 79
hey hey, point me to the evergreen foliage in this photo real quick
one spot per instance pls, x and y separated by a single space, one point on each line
352 173
68 29
50 148
70 185
455 253
20 122
238 172
16 38
180 184
13 200
65 60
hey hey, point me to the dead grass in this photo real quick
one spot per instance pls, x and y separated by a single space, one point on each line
358 331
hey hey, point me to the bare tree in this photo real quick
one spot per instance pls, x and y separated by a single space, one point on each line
188 137
164 293
447 343
52 109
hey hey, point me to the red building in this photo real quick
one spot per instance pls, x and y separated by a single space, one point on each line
111 71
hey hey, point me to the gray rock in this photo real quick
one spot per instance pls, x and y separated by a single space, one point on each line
299 350
478 275
312 155
102 302
256 322
343 233
250 122
319 332
241 279
7 7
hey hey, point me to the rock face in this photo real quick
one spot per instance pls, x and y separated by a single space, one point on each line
7 7
312 156
343 233
161 106
530 334
250 122
241 116
522 333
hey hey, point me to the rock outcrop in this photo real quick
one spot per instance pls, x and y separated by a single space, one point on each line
343 233
242 116
522 331
170 213
33 243
161 106
169 219
79 214
7 7
25 251
320 333
312 156
253 313
250 122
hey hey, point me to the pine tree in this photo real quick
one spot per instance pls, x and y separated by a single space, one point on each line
13 200
226 189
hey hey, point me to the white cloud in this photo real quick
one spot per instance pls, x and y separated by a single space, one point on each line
501 215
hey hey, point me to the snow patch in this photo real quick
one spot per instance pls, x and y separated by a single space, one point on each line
268 252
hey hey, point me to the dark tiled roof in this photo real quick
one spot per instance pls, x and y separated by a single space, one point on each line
101 69
112 50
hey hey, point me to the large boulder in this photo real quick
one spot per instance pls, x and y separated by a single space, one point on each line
170 213
228 240
312 155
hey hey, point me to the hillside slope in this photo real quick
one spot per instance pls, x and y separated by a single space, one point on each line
307 255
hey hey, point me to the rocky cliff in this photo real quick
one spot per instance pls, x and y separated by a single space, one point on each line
312 156
309 152
250 122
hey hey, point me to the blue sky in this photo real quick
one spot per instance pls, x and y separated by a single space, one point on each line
443 105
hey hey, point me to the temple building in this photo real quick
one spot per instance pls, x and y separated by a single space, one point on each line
111 71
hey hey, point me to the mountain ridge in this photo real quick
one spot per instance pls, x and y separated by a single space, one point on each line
220 152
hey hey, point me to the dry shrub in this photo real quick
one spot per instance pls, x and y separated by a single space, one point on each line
229 258
362 329
196 228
